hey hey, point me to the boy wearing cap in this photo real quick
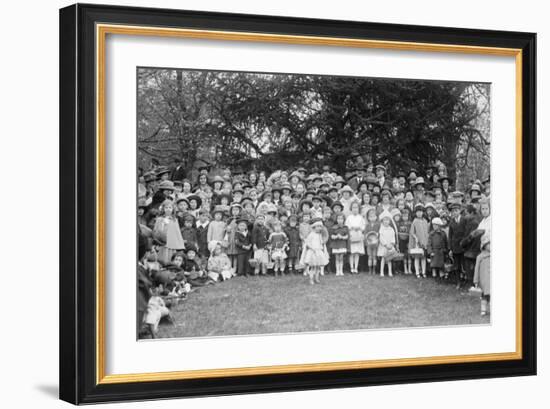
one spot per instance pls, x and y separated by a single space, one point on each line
437 247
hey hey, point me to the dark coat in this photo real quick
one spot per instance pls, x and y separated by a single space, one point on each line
294 241
202 240
471 242
189 235
178 173
354 182
259 236
457 232
437 248
243 242
338 243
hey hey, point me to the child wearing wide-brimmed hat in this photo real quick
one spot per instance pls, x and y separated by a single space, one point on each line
387 242
166 232
315 253
418 239
235 210
216 228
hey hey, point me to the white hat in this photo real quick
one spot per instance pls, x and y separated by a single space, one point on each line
438 221
385 214
317 223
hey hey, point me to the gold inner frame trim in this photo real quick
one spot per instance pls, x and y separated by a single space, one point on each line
101 33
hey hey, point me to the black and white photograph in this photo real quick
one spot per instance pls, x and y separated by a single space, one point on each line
275 203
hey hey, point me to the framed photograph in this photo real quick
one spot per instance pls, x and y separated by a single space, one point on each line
256 203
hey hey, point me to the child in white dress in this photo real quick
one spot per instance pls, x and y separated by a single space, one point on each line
315 255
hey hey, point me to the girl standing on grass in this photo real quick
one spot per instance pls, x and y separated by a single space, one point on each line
339 235
419 238
304 230
216 228
315 254
372 228
234 215
356 225
387 242
167 232
278 242
482 274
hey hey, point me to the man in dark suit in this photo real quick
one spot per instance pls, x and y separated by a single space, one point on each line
178 171
457 232
357 179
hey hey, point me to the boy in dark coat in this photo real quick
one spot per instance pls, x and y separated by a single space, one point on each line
457 232
294 242
202 234
471 242
243 243
189 233
260 233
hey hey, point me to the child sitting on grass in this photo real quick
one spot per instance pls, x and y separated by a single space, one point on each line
219 265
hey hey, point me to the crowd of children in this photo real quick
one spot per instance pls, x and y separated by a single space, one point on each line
313 223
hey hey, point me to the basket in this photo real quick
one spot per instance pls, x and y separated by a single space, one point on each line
416 252
372 238
392 254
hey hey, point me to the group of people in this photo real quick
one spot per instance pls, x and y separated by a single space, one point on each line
234 223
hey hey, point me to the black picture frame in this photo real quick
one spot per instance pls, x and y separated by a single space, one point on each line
78 360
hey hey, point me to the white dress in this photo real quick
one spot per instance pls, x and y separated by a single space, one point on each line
356 223
315 250
386 236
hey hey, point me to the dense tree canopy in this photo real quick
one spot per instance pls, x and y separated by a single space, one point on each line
274 121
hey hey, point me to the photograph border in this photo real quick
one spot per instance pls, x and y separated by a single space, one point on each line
83 32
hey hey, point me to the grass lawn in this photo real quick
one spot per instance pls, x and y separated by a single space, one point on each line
262 305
